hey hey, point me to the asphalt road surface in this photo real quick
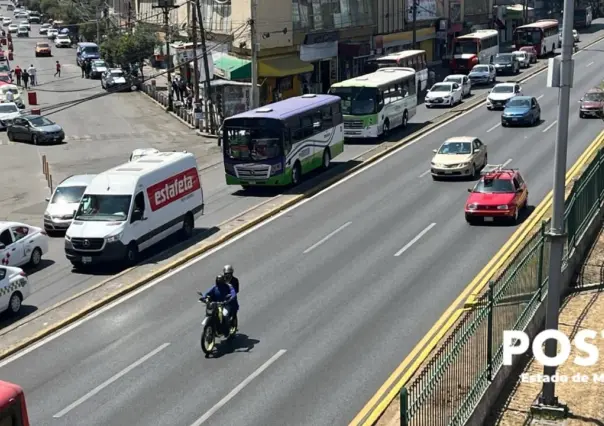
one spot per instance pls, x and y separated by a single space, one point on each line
335 293
101 134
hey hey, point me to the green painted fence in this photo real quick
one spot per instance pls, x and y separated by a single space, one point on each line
448 388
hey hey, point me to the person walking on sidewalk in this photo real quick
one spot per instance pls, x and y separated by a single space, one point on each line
25 76
32 75
58 70
83 66
18 72
176 90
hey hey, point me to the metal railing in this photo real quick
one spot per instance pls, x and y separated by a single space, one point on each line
449 386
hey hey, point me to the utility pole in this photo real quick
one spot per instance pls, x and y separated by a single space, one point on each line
98 31
130 17
255 95
167 6
207 86
556 234
195 62
414 23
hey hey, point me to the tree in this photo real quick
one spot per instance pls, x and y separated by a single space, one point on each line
128 48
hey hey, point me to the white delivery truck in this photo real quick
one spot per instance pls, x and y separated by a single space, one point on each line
131 207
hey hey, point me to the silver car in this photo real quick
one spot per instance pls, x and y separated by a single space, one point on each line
523 58
483 74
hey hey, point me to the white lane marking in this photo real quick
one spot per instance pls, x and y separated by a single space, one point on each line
494 127
424 173
506 163
589 65
111 380
325 238
238 388
233 240
540 97
550 126
415 240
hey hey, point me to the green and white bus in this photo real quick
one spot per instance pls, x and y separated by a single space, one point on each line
276 144
376 103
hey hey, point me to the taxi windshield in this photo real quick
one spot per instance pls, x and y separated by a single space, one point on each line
494 186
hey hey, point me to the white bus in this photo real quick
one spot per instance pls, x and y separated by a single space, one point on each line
480 47
415 59
542 35
376 103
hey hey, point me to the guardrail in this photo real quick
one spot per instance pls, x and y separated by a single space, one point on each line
448 388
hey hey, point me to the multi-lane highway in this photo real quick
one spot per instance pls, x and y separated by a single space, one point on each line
335 293
101 134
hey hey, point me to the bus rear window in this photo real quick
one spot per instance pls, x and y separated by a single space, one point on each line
465 46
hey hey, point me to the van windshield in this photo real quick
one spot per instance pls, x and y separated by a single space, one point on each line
103 208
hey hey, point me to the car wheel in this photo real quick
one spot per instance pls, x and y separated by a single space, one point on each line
296 174
472 172
131 254
14 303
35 140
516 215
36 257
10 136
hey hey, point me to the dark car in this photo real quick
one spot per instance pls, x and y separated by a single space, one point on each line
592 103
506 63
115 79
98 67
36 129
521 110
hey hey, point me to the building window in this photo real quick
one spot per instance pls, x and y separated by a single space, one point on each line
317 15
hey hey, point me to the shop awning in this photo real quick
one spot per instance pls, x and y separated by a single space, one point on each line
233 68
283 66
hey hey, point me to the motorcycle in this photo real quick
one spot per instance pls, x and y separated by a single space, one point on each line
213 325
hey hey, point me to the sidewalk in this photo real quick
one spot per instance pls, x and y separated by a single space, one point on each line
584 309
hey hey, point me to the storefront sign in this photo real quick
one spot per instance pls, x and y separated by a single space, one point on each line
186 57
317 38
425 11
319 46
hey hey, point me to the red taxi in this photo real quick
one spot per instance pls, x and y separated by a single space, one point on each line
500 194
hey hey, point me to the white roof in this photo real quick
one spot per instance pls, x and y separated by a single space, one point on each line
381 77
454 76
401 54
77 180
479 34
505 84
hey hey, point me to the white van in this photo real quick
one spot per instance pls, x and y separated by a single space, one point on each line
129 208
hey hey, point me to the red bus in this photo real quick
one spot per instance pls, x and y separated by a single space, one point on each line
480 47
542 35
13 411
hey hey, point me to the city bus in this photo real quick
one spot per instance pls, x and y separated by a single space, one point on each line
542 35
278 143
583 17
480 47
415 59
13 411
375 103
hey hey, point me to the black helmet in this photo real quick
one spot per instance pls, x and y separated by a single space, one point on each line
220 279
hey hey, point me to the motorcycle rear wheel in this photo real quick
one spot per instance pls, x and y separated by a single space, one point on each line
233 328
208 339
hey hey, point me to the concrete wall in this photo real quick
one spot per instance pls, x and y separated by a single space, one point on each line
272 15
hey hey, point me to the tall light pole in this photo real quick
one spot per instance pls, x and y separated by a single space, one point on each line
166 6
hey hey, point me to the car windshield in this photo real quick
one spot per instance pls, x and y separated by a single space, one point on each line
5 78
503 89
103 208
458 80
68 195
117 73
480 68
253 144
518 103
455 148
441 88
503 59
494 186
41 122
43 45
90 50
356 100
465 46
594 97
8 108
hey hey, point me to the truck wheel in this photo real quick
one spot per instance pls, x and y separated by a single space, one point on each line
188 226
131 254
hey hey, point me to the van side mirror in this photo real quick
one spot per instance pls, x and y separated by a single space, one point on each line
435 151
47 198
137 215
469 189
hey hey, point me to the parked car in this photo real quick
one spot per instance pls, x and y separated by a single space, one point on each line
8 112
13 28
44 28
114 79
62 40
36 129
98 68
51 33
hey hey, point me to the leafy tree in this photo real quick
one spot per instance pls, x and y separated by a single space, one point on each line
128 48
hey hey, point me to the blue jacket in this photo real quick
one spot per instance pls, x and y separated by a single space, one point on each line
223 293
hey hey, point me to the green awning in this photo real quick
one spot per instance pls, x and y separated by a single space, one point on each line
232 68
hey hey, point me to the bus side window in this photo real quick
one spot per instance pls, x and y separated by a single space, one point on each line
317 122
380 100
287 141
337 114
424 61
306 124
327 117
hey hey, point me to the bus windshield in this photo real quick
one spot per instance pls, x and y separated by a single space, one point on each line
253 144
528 37
465 46
356 100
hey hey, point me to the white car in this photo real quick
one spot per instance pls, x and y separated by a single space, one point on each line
8 112
62 40
64 202
22 244
463 81
44 29
502 93
6 21
14 90
523 58
22 31
52 33
13 28
14 289
25 24
442 94
142 152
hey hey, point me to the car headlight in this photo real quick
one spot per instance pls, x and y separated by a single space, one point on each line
67 237
47 216
472 206
463 164
446 97
504 207
114 238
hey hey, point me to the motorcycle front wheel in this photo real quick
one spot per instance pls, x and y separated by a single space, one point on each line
208 339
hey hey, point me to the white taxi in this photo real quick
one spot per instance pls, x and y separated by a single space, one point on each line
22 244
14 289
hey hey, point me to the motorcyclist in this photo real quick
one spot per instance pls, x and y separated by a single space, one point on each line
230 278
224 292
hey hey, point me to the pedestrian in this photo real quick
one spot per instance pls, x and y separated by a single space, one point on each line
25 76
58 70
176 90
88 68
32 75
182 86
83 66
18 72
10 97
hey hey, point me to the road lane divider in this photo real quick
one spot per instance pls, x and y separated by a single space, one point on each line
377 405
374 155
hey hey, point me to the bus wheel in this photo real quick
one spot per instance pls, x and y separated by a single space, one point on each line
405 120
385 128
296 173
326 159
